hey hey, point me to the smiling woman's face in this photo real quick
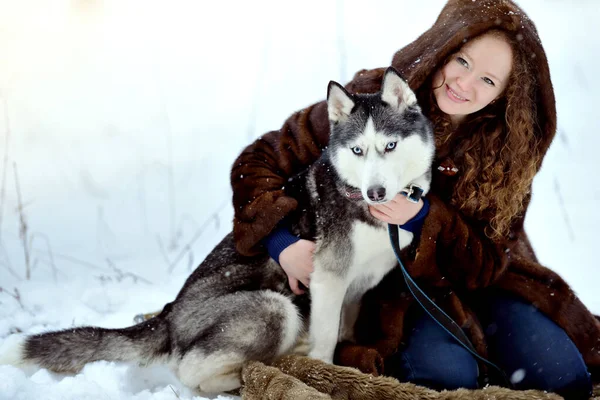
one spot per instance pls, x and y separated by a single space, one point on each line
473 77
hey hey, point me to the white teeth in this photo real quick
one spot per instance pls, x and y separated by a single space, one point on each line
455 95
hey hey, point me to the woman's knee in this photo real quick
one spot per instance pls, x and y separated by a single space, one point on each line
451 368
534 351
434 359
568 377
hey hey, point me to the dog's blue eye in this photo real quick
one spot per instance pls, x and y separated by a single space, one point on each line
357 150
390 146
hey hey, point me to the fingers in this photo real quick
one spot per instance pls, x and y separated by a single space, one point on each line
385 208
311 246
297 262
305 281
294 286
379 215
399 198
304 272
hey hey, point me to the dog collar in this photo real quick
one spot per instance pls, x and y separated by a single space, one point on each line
412 192
352 193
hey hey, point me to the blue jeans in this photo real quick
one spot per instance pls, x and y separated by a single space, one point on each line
532 350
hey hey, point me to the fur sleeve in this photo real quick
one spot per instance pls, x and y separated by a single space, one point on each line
456 249
260 173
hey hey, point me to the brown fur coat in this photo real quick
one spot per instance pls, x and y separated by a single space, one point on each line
454 260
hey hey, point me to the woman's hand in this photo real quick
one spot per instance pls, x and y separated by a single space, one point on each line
297 262
397 211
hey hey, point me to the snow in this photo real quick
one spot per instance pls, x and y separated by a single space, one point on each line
99 380
518 376
124 117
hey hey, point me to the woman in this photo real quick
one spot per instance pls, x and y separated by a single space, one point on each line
482 76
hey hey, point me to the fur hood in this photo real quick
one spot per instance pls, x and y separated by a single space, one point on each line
460 21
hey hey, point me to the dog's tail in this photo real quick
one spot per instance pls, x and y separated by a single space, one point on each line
69 350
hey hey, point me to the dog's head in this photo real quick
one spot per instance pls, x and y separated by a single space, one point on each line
380 143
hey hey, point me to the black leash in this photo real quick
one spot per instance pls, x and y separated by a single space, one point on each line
436 312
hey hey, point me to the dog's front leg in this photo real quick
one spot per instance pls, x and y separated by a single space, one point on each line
327 291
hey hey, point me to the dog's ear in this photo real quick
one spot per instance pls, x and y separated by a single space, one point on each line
339 102
396 92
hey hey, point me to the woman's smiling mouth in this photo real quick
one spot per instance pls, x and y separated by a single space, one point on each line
454 96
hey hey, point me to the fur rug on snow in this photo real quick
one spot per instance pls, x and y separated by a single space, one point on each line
301 378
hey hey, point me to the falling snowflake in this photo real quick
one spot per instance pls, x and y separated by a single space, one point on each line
517 376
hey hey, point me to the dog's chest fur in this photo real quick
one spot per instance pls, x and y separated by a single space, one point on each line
372 257
349 239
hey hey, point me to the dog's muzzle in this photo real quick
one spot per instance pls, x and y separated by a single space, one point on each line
412 192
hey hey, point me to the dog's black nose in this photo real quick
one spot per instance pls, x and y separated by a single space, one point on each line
376 193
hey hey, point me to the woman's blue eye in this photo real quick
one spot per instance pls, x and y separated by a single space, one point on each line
357 150
390 146
489 81
462 61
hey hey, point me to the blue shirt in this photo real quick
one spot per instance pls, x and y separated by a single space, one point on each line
281 237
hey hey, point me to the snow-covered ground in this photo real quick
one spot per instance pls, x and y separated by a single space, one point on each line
121 119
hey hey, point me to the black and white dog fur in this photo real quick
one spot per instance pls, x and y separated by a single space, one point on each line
234 308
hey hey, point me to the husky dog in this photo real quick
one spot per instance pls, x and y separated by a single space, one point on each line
234 308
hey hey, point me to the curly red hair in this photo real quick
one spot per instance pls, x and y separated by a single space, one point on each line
496 148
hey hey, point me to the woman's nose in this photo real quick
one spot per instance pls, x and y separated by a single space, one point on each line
465 82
